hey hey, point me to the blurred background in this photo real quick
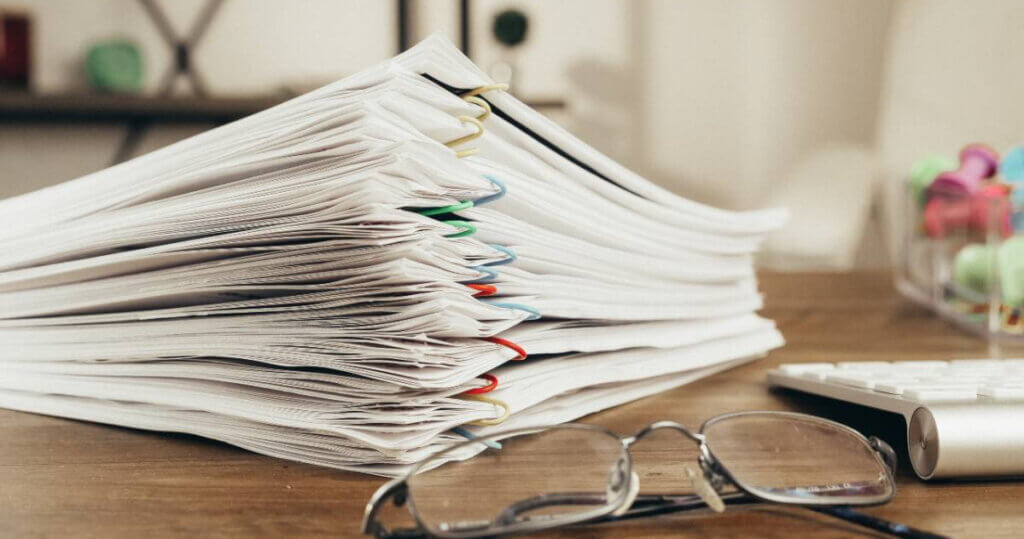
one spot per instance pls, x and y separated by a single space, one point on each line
818 106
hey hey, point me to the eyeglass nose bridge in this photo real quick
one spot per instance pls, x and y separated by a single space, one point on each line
660 425
708 464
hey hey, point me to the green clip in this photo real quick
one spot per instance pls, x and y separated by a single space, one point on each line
924 174
464 205
468 229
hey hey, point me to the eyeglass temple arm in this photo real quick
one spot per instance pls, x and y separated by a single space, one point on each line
650 506
851 515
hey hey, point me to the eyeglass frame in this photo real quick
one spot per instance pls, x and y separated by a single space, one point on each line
715 473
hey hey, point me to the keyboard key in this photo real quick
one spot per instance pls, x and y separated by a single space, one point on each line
977 362
941 395
852 379
914 365
956 379
978 368
1002 393
946 384
896 387
800 368
864 365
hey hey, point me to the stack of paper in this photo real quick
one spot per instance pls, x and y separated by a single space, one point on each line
352 278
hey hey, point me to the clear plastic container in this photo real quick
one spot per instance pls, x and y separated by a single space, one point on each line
961 263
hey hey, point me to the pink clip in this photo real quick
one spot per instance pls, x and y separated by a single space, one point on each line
977 162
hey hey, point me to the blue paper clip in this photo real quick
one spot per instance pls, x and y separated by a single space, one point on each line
534 313
492 274
495 196
509 252
470 436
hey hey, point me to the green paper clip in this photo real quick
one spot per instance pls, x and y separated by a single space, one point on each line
464 205
468 229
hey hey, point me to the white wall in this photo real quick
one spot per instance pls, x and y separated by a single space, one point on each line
738 92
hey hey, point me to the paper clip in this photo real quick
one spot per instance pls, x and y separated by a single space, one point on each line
483 290
467 138
534 313
510 345
495 196
485 88
492 382
482 103
508 252
452 208
489 422
468 228
491 275
470 436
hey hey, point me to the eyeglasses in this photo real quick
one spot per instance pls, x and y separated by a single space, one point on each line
527 480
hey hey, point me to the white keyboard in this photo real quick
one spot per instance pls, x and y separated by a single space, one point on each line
965 418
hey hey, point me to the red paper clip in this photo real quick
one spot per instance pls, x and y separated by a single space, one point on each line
492 382
509 344
483 290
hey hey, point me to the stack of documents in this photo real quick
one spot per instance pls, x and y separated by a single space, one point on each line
367 273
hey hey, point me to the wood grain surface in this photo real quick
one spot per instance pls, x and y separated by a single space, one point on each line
62 478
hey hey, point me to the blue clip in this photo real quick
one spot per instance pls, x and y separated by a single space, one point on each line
509 252
495 196
492 274
534 313
470 436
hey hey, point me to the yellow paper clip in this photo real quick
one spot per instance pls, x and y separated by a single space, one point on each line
488 422
467 138
482 103
484 89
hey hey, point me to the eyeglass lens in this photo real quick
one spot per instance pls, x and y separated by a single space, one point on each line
795 459
550 477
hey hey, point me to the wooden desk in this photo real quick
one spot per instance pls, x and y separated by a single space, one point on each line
66 478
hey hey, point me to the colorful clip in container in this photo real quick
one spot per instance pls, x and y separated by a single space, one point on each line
1011 168
977 162
1011 271
962 198
972 269
924 173
989 207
